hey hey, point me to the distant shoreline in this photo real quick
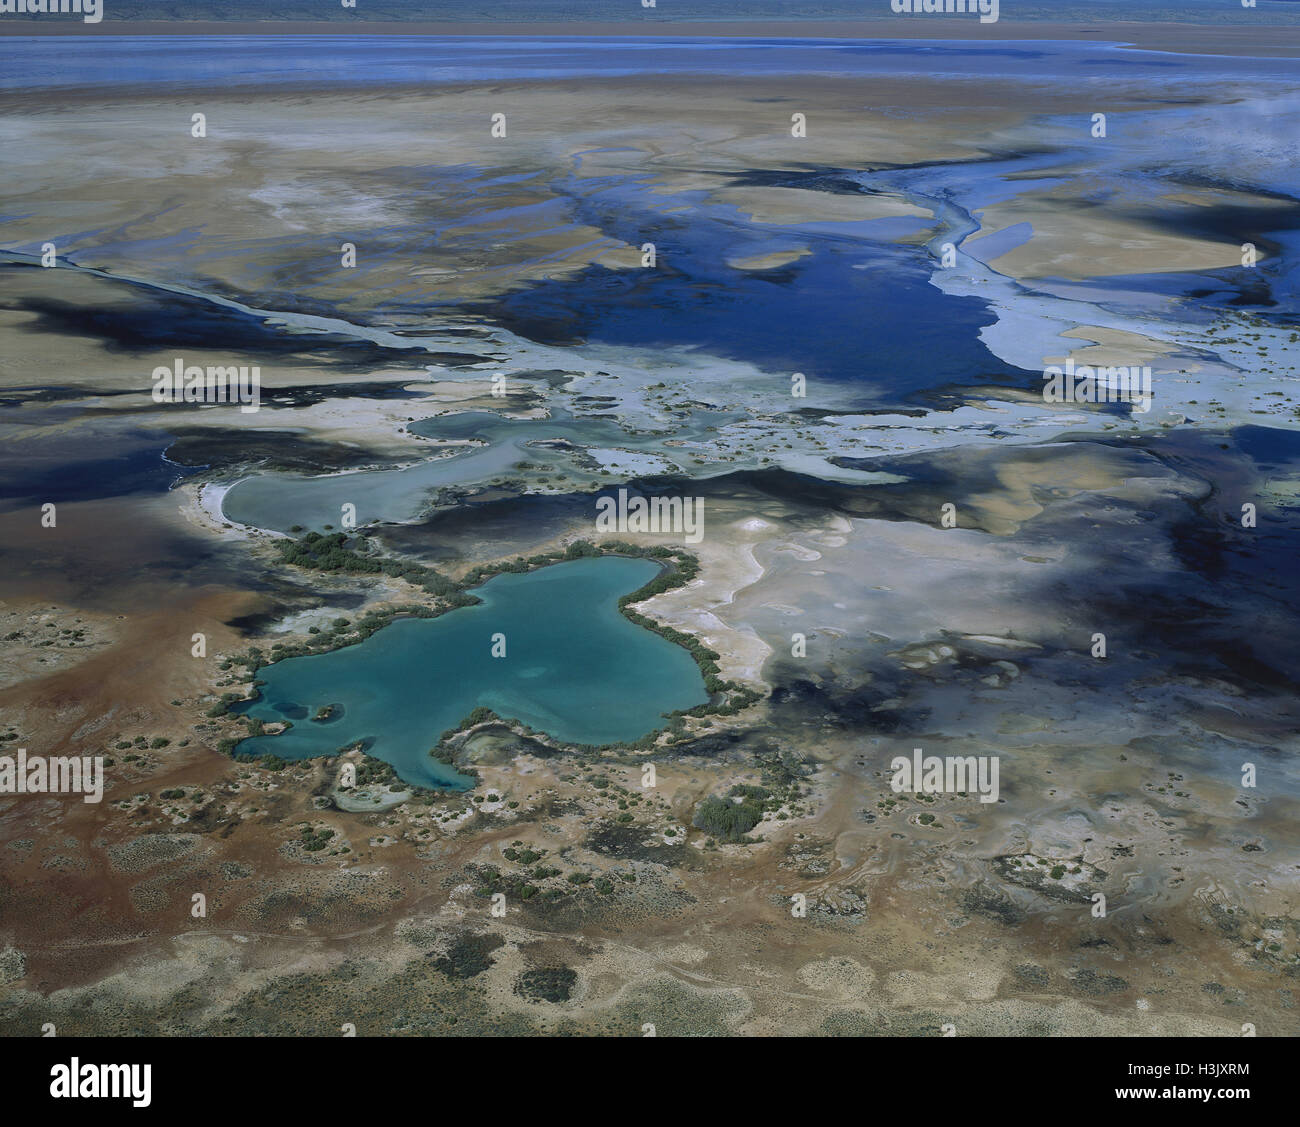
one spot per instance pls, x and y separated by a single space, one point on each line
1211 39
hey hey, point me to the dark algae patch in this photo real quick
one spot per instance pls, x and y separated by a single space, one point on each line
546 984
468 956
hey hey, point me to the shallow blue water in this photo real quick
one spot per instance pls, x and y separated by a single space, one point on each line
860 313
232 60
853 310
574 667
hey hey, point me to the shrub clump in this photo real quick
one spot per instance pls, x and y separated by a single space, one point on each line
730 821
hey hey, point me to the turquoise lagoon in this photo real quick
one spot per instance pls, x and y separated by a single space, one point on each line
574 668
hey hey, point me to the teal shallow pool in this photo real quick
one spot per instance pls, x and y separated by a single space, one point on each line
574 668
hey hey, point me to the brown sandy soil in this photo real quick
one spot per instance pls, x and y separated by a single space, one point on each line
1072 240
907 926
918 913
245 191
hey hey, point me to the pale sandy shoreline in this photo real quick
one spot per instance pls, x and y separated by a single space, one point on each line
201 506
1211 39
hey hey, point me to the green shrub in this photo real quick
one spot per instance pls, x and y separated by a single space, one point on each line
725 820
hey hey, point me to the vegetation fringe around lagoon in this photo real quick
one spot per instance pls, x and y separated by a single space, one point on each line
352 554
